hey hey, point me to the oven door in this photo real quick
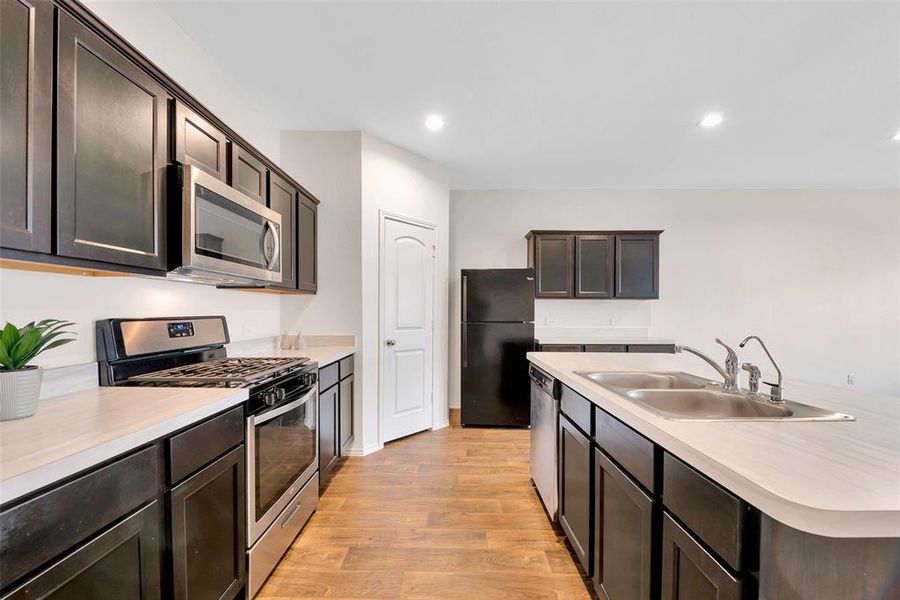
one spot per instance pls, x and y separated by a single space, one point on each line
282 455
226 232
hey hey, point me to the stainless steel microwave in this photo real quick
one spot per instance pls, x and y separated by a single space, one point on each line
227 238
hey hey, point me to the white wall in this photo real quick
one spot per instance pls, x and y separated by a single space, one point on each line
150 29
397 181
816 273
356 176
29 296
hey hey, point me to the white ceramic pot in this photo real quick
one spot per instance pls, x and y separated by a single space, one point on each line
19 392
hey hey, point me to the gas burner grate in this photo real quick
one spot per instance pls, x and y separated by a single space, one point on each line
224 371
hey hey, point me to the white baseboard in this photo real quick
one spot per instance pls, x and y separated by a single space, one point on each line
364 451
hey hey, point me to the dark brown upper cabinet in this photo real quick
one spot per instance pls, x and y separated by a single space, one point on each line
200 144
552 255
595 264
637 265
247 173
26 98
110 202
307 244
283 199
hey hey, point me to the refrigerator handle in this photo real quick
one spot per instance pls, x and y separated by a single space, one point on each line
465 304
465 351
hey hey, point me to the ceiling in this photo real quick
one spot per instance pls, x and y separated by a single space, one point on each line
583 94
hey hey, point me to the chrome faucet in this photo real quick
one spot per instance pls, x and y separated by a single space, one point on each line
730 373
776 395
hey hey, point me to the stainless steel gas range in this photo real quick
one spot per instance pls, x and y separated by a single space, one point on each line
281 416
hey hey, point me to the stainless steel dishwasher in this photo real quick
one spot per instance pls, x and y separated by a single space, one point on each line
544 427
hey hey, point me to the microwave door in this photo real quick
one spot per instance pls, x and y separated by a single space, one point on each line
231 234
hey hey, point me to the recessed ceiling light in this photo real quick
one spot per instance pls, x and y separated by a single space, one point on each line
434 123
711 120
896 137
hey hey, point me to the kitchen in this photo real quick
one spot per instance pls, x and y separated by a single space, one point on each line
367 198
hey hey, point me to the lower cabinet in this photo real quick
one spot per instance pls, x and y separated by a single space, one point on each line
575 489
623 534
329 450
689 572
209 519
122 563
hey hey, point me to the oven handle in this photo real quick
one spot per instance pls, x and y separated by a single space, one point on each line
277 412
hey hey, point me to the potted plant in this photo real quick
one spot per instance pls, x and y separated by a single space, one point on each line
20 383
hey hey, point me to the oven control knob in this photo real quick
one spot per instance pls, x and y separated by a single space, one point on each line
269 398
279 394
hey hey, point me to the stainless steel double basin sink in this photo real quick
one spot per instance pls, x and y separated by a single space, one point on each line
684 397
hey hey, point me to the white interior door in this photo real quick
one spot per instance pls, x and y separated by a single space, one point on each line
407 316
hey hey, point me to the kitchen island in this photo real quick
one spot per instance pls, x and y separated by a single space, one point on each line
815 505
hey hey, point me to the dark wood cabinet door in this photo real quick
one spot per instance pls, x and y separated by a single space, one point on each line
346 413
209 530
26 124
122 563
328 430
623 534
594 266
283 199
554 269
111 200
247 173
198 143
689 572
637 266
308 243
575 490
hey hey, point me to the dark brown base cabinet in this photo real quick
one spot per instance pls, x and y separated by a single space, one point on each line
623 534
122 563
115 532
689 572
639 348
575 483
335 416
209 541
595 264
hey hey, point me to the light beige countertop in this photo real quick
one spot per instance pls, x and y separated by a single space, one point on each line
836 479
323 355
73 432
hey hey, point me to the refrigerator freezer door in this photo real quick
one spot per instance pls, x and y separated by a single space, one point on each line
495 383
497 295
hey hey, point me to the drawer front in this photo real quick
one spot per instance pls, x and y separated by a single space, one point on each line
691 573
45 526
627 447
713 513
346 367
203 443
652 348
328 376
561 347
577 408
605 348
269 549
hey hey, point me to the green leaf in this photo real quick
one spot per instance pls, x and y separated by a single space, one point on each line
9 336
5 361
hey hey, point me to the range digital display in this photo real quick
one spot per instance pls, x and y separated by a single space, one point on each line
182 329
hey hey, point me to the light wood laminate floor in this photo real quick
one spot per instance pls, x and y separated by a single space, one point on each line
442 514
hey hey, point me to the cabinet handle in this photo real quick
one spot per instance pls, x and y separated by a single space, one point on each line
390 342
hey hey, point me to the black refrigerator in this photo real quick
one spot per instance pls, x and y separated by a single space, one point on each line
497 332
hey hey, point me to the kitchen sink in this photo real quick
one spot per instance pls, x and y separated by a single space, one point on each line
647 381
684 397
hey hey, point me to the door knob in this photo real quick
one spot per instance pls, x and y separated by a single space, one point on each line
390 342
